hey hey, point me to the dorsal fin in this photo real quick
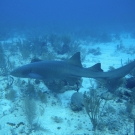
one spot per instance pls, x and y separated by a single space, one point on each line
75 60
96 68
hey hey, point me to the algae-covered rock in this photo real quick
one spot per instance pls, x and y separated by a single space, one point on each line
60 86
77 101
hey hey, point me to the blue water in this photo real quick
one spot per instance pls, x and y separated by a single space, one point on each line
35 30
81 17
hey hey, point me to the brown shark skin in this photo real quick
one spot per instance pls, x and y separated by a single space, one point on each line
72 68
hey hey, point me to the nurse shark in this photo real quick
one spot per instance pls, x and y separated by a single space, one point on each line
69 70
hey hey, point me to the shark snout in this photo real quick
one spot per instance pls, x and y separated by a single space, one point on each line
16 72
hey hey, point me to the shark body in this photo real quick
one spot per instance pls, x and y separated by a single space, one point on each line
68 70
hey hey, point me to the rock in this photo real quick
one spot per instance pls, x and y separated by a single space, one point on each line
77 101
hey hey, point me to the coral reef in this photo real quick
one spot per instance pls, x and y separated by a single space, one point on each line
122 48
60 86
3 64
95 52
28 107
30 111
92 103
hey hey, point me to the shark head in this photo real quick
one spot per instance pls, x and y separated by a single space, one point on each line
25 72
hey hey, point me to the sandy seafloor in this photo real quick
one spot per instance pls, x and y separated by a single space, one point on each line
13 120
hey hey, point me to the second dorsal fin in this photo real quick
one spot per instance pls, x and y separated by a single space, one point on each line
96 68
